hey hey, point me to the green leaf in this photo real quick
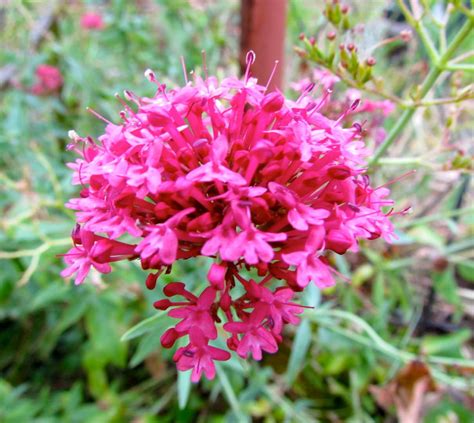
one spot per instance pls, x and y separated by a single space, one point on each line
184 388
446 344
102 327
335 364
402 238
146 346
447 411
362 274
298 351
96 375
49 295
466 270
228 390
426 235
446 286
311 295
69 316
236 365
143 327
342 265
378 290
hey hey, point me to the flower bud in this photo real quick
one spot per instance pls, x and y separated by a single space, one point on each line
406 35
216 275
150 75
338 241
339 172
162 304
174 288
76 234
169 337
371 61
273 102
151 280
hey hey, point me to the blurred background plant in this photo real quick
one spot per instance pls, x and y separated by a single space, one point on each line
394 343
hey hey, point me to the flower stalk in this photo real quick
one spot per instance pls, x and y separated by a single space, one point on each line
439 66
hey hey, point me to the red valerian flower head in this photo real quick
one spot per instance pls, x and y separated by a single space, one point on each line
48 80
225 170
92 20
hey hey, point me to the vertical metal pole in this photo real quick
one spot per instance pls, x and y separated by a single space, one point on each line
263 25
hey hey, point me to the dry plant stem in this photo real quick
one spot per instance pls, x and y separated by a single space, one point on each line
35 254
437 68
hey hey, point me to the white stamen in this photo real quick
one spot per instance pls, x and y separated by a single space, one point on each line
73 135
272 74
150 75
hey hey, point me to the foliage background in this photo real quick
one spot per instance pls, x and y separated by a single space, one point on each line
62 358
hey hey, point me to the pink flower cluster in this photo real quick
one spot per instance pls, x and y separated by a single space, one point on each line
92 21
48 80
224 170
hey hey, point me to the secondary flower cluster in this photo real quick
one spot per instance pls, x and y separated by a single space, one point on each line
92 21
224 170
48 80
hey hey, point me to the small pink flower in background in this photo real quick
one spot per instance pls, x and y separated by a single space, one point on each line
325 78
48 80
228 171
92 20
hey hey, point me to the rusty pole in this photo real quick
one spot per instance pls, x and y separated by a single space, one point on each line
263 26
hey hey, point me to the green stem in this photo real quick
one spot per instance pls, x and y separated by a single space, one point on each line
466 67
6 255
405 161
435 72
416 23
458 39
462 245
405 117
228 391
392 136
428 43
